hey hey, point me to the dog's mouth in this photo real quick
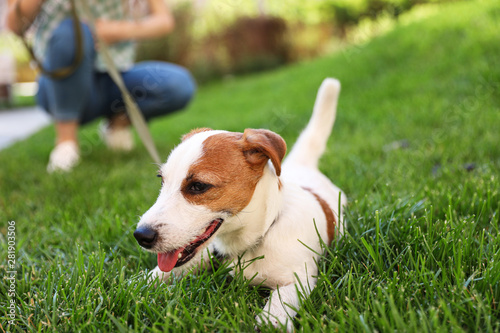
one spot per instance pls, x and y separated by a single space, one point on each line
175 258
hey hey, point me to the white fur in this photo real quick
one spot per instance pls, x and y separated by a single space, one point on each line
275 224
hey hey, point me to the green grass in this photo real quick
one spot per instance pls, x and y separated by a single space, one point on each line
17 102
415 148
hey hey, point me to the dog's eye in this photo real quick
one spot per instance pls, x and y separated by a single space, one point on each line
160 176
199 188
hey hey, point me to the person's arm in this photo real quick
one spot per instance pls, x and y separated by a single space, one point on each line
158 23
21 14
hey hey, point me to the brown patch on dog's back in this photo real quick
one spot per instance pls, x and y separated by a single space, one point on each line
331 222
229 166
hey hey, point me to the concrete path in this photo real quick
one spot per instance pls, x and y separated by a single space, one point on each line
19 124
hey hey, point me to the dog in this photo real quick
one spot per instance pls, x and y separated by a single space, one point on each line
229 194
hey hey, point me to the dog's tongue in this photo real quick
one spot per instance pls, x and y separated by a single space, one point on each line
167 261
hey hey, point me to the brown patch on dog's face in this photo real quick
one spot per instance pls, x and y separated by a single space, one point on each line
225 177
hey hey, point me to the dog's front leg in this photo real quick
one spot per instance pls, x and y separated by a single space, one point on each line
156 275
283 302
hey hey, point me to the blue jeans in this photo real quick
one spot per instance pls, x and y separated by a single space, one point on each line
157 87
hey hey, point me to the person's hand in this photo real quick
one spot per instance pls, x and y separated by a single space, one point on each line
158 23
21 14
112 32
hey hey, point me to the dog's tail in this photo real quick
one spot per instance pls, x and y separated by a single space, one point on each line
311 143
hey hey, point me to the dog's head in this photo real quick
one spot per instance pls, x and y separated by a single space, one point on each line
209 178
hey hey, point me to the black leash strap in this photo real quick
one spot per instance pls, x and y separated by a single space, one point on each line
133 110
63 72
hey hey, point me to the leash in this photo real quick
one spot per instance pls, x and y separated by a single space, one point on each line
63 72
133 111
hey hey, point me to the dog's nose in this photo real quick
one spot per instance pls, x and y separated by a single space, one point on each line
146 237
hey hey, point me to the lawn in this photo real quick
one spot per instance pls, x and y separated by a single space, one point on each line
415 148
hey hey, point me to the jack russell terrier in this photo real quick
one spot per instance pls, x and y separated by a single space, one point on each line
228 194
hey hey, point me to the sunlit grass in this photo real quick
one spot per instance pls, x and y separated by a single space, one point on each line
415 148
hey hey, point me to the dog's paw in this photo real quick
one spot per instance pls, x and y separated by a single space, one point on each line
279 322
156 276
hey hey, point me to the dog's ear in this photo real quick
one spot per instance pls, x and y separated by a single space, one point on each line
195 131
261 145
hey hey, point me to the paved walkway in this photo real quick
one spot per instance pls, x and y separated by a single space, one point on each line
19 124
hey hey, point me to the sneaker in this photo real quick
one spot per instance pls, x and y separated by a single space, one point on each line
117 139
64 157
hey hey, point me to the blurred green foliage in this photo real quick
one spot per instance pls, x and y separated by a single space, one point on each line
225 38
218 38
